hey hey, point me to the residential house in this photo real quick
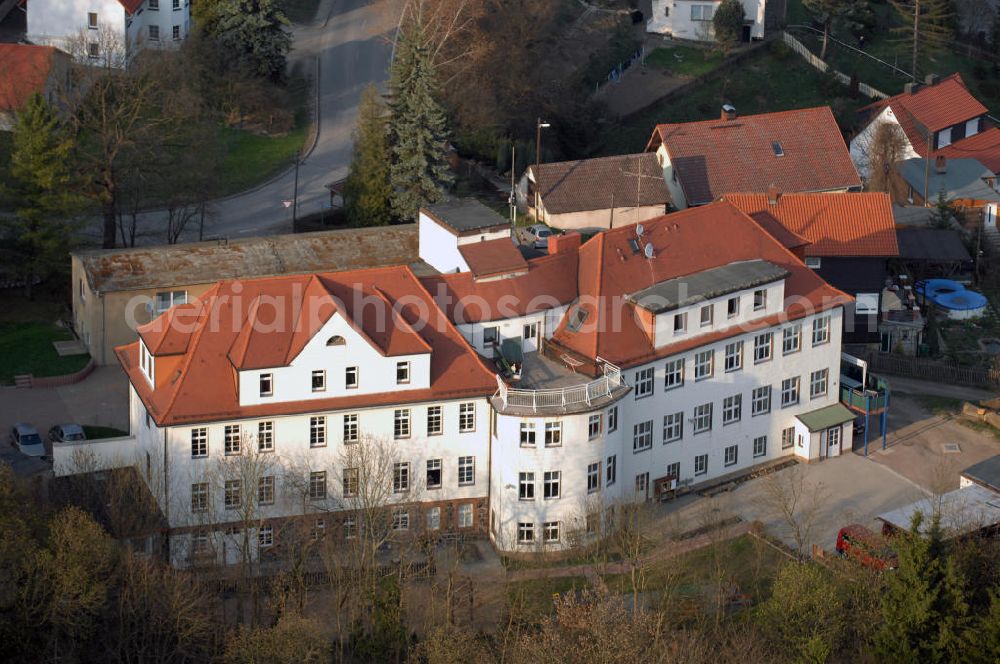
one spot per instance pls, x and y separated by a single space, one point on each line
591 194
965 182
462 235
675 361
795 151
117 290
107 31
847 239
29 69
692 19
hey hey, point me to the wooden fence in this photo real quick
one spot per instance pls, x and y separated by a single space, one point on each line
941 372
822 66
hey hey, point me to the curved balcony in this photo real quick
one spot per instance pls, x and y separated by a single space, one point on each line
549 388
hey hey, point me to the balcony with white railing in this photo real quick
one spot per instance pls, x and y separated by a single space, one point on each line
548 387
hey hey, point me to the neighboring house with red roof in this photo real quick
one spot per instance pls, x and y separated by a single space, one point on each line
846 240
939 116
796 151
106 32
28 69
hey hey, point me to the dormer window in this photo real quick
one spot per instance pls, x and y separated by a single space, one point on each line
759 299
733 307
336 340
266 385
706 315
147 363
351 378
402 373
680 323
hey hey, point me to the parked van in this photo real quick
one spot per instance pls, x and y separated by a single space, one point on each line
867 548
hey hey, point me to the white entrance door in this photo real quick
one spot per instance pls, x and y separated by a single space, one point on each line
833 441
529 339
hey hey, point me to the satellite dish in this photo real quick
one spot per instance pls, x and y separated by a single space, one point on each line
639 230
648 250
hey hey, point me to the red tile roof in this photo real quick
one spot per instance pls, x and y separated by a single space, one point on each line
219 336
946 103
493 257
683 244
131 6
714 157
25 71
859 224
601 183
984 147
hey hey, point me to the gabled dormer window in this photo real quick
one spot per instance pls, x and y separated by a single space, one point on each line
266 385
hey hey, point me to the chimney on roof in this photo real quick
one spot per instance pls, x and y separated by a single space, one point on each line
561 244
931 79
911 87
941 164
773 194
728 112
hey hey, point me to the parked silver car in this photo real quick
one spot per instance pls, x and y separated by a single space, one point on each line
540 233
26 439
66 433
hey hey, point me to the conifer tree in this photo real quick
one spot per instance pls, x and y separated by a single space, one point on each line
367 191
927 27
417 128
45 190
254 30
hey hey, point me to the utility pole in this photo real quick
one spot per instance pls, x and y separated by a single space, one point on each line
539 126
513 197
295 192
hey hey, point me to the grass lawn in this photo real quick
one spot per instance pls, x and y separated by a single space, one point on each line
534 597
27 348
96 432
300 11
251 159
685 60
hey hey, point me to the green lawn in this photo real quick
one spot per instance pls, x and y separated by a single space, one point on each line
95 432
251 159
685 60
534 597
27 348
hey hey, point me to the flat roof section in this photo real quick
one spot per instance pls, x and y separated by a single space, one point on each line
985 473
465 215
718 281
493 257
962 511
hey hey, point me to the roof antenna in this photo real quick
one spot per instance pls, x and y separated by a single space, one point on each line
648 250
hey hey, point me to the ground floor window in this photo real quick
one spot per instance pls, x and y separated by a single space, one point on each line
731 455
525 533
701 464
434 518
400 519
787 438
760 446
551 531
265 536
465 515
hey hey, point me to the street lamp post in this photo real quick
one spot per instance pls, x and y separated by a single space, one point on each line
539 126
295 192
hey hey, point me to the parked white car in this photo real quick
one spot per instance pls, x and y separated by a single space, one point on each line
541 233
26 439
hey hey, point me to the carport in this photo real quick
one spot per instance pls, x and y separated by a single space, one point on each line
967 511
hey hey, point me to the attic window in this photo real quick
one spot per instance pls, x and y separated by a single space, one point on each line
336 340
634 245
577 317
778 150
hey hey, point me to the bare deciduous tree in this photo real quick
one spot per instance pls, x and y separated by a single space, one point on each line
795 502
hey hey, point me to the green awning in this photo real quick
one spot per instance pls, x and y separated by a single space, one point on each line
824 418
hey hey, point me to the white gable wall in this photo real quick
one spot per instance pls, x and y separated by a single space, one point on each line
861 144
677 198
674 17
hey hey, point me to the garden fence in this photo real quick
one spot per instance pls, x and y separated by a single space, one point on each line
934 370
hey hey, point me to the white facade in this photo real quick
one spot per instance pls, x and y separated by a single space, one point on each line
861 144
677 197
692 19
529 329
439 245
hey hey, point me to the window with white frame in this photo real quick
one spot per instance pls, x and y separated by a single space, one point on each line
732 409
199 543
734 356
317 431
317 485
642 436
833 436
702 418
787 438
466 417
199 497
93 50
644 382
265 490
762 347
642 483
791 339
92 20
530 331
702 12
553 434
612 419
199 442
760 446
233 439
401 477
731 455
434 518
707 314
434 421
733 307
761 400
465 515
611 470
402 373
231 494
704 364
525 533
674 470
759 299
818 381
680 323
814 262
351 431
349 526
673 427
526 486
821 330
594 426
265 537
168 299
674 374
434 479
400 518
319 530
176 33
319 380
266 385
550 530
491 336
594 477
551 481
351 482
265 436
401 423
701 464
790 391
154 5
351 378
466 470
527 434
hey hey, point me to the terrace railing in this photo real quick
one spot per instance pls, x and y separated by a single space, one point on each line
565 397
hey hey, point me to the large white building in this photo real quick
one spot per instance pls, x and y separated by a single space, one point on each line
692 19
107 31
648 358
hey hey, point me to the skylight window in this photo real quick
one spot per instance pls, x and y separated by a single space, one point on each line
778 150
634 245
577 318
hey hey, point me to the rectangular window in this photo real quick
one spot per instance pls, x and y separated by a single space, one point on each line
674 470
791 339
818 383
466 417
266 385
611 470
265 490
550 530
553 434
790 391
526 486
466 470
594 426
821 330
351 482
176 33
265 436
265 537
199 543
434 473
550 484
525 533
731 455
762 347
702 418
351 378
400 518
199 443
490 336
530 331
401 423
317 431
701 464
732 409
787 438
612 419
92 20
759 299
402 373
680 323
232 494
527 434
465 515
733 307
93 50
642 483
734 356
704 364
351 433
319 530
760 446
643 383
154 5
434 518
434 421
319 380
814 262
674 375
233 437
168 299
642 436
594 477
317 485
761 400
401 477
199 497
177 4
673 427
707 314
350 527
702 12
